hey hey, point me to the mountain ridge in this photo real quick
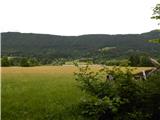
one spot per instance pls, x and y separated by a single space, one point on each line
57 46
156 30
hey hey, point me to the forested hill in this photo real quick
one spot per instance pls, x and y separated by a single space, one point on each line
53 46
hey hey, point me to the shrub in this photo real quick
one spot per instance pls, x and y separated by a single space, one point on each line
5 62
140 60
24 62
120 98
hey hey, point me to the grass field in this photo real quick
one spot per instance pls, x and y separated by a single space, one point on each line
41 93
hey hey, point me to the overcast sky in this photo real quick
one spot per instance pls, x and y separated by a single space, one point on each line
76 17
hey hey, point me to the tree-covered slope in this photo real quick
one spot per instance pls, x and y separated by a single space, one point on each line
43 45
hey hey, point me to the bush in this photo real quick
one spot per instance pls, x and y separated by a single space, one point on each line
24 62
5 62
140 60
120 98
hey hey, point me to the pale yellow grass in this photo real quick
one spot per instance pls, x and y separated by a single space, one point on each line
66 69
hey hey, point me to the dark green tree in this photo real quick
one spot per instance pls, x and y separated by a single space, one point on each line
134 60
156 15
140 60
5 61
145 61
24 62
156 12
33 62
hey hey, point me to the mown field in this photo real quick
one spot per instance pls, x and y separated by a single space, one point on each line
41 93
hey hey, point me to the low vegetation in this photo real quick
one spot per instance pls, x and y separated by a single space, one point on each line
140 60
134 60
44 92
121 98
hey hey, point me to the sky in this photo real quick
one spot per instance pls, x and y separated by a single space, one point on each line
77 17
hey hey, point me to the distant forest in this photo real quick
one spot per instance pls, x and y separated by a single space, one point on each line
92 46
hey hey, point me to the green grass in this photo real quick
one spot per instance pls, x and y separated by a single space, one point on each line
41 93
39 97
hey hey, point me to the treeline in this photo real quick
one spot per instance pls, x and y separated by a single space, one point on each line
134 60
29 62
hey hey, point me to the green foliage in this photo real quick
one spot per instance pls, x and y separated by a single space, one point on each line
152 96
121 98
140 60
104 108
59 61
33 62
156 12
24 62
49 47
28 62
5 62
156 15
134 60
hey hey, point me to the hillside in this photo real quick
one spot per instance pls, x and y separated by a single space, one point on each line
54 46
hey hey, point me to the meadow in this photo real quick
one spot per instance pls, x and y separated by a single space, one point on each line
41 93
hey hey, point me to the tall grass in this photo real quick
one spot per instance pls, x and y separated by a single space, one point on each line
39 97
40 93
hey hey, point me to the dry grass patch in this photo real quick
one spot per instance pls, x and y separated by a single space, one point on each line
66 69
